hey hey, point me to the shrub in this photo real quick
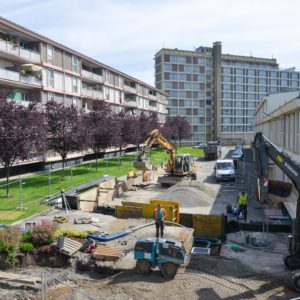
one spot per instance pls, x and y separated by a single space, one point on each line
42 234
26 247
70 232
10 239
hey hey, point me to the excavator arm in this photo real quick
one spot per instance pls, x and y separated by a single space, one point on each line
142 162
265 149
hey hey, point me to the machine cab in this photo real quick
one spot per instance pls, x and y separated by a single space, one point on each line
145 249
183 164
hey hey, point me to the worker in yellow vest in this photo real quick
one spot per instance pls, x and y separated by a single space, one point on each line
242 200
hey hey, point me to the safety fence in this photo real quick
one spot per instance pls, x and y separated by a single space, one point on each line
27 195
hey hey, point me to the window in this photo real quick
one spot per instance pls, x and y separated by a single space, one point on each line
74 63
49 54
50 76
50 96
168 67
74 85
75 101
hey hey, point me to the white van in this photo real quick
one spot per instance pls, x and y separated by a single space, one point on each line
224 170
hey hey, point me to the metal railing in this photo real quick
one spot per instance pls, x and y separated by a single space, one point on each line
19 51
15 76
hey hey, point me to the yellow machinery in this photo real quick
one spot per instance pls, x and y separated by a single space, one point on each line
179 166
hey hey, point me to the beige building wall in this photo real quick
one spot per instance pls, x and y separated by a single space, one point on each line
278 118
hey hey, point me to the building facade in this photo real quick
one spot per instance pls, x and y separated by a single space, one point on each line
38 70
218 93
278 117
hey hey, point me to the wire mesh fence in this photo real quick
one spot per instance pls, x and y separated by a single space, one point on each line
24 196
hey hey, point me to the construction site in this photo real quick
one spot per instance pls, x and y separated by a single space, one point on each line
206 251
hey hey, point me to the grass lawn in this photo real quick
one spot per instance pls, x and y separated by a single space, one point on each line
35 188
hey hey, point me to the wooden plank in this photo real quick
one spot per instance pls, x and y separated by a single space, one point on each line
20 278
107 253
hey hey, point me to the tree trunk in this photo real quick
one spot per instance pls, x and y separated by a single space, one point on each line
96 161
180 143
7 181
63 168
120 150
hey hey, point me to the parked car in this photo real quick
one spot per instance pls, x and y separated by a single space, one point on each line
237 154
224 170
200 146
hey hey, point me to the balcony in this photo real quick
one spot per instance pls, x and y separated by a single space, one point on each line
18 80
25 103
92 93
23 54
129 89
152 97
92 76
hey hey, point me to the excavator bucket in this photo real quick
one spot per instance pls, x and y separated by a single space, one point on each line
142 165
279 191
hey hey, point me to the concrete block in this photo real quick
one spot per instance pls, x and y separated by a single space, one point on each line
90 194
105 196
108 184
120 188
138 180
87 206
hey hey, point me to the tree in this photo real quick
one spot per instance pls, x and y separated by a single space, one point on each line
176 128
153 122
22 132
104 127
126 124
183 129
65 130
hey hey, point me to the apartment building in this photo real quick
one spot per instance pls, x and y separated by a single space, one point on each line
218 93
38 70
278 117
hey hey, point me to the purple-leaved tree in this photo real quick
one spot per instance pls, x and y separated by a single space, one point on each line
104 127
65 130
22 133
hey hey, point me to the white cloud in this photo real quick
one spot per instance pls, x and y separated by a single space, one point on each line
126 33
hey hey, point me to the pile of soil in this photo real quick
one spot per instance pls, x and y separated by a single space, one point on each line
187 196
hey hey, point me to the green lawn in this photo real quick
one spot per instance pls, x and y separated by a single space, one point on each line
35 188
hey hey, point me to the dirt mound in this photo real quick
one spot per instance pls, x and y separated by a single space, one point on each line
187 196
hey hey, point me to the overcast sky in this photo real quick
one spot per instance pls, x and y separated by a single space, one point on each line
126 34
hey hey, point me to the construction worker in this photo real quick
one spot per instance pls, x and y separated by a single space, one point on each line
242 200
159 216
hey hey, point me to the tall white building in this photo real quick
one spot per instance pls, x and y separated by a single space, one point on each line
218 93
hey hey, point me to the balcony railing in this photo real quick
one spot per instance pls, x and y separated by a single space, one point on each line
130 103
12 49
152 97
15 76
92 93
129 89
91 75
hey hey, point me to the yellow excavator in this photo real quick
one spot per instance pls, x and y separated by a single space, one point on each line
179 166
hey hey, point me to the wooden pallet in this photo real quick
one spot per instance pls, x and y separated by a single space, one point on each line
107 253
83 221
70 247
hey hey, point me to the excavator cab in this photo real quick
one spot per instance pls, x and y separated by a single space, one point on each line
183 164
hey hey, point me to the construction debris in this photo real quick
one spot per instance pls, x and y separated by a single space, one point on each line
104 252
12 279
68 246
83 221
61 220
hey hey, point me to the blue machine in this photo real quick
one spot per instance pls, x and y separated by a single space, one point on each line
168 255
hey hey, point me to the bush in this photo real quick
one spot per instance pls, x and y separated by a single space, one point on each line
70 232
26 247
42 234
10 239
